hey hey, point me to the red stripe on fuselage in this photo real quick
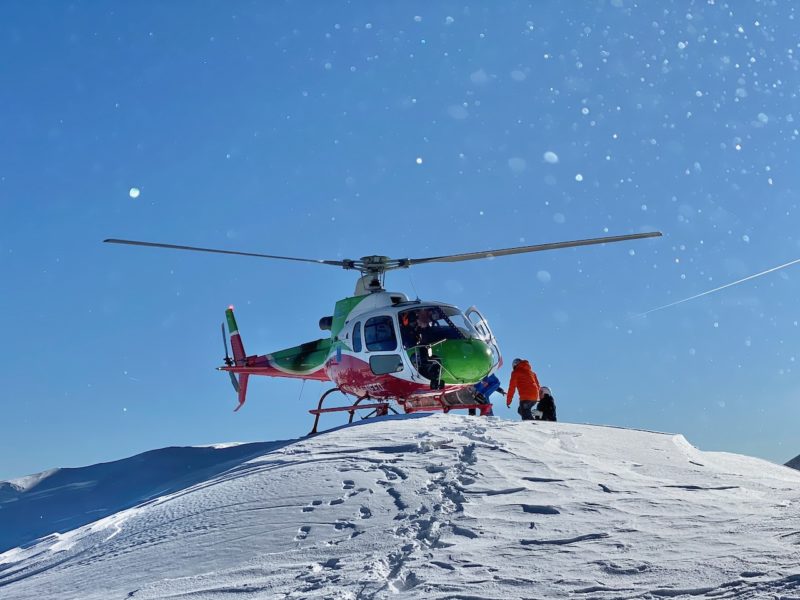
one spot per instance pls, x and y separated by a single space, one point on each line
354 376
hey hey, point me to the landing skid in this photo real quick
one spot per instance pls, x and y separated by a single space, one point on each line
464 399
379 409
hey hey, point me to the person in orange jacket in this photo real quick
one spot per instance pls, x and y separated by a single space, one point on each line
524 379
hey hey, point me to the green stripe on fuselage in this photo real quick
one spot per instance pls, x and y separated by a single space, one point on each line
303 358
312 355
343 308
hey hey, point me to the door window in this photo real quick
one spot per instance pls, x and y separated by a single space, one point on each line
357 337
379 334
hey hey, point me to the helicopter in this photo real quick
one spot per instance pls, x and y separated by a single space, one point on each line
383 347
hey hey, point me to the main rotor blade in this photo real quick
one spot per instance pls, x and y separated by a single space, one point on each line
523 249
335 263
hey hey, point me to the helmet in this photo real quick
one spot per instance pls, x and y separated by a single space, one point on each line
515 362
545 391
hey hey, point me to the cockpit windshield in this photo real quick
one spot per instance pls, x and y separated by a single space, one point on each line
428 325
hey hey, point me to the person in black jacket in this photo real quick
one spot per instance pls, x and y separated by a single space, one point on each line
547 404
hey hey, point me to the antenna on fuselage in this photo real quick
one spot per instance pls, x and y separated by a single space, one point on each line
411 281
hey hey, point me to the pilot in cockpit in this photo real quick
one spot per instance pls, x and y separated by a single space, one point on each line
419 329
423 318
424 325
416 327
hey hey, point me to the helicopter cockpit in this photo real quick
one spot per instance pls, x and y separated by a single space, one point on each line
430 325
441 343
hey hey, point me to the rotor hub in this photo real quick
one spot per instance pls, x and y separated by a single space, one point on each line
375 263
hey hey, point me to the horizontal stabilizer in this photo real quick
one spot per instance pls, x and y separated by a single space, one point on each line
242 390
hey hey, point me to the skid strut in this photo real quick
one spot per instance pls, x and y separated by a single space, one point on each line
380 409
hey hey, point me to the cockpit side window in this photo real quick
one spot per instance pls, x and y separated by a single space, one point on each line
357 337
379 334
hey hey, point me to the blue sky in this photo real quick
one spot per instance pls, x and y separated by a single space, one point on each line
326 130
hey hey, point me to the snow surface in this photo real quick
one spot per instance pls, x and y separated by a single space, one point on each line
437 506
59 500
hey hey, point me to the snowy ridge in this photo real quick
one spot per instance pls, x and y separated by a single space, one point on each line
58 500
443 507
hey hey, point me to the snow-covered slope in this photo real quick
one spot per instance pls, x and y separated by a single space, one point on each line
59 500
442 507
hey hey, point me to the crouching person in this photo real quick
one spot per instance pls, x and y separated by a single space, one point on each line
547 404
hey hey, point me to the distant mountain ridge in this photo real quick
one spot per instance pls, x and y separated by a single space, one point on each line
794 463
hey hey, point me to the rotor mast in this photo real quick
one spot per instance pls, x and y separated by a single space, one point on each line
373 273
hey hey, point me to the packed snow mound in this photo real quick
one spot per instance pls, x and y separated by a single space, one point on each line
794 463
441 507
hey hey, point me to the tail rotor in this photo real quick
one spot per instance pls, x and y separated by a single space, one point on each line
229 360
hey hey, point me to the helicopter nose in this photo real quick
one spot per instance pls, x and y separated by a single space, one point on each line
464 361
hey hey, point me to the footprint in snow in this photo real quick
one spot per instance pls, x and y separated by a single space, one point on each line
331 563
311 507
343 524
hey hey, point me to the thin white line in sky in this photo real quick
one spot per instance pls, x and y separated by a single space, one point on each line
722 287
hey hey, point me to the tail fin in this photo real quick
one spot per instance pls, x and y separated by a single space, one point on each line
239 357
236 341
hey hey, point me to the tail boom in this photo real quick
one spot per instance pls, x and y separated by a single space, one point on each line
306 361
